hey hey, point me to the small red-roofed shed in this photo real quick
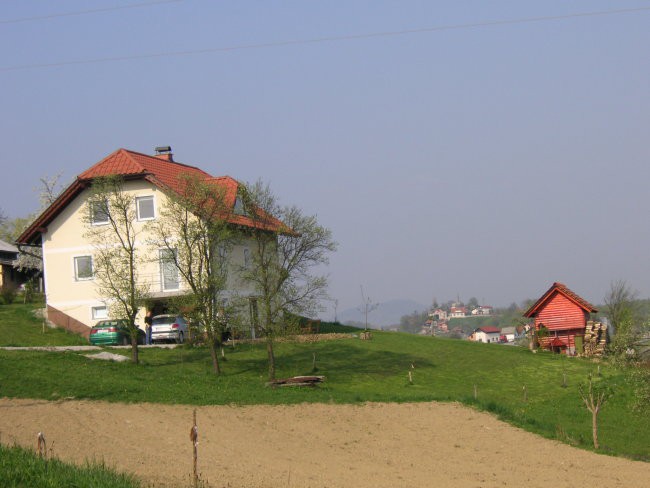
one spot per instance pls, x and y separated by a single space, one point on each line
563 314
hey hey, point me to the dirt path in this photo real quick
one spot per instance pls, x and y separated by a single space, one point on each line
373 445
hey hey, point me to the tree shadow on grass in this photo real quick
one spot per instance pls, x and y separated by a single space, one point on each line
342 358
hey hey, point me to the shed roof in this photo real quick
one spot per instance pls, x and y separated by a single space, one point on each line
7 247
563 290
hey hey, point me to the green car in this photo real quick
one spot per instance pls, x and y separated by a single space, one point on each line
112 333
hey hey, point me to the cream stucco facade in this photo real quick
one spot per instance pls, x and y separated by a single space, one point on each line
68 250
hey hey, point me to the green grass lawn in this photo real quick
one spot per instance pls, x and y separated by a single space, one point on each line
22 468
356 371
20 327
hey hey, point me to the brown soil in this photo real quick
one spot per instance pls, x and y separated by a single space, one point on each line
372 445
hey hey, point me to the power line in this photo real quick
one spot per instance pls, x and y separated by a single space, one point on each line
86 12
326 39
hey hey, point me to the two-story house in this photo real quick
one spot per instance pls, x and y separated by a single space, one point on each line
72 296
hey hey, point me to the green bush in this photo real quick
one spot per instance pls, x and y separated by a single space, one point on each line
8 294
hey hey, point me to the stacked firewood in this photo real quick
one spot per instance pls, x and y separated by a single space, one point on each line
595 338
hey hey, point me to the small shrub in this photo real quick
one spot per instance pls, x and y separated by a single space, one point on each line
30 289
8 294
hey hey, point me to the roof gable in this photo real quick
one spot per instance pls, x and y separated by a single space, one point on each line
564 291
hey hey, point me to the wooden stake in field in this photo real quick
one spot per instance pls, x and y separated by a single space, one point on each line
475 392
525 394
194 437
41 449
313 364
410 377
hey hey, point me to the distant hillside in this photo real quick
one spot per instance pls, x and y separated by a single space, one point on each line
386 314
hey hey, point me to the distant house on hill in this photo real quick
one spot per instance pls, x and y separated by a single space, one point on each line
486 334
561 316
457 312
438 314
482 310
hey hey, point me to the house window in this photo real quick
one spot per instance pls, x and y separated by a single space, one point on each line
168 270
99 213
247 258
223 253
100 313
83 268
145 208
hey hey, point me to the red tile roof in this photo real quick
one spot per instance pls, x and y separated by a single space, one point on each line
161 171
564 290
130 163
489 329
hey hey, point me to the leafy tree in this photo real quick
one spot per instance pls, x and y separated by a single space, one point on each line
413 322
285 246
472 303
118 256
192 227
622 313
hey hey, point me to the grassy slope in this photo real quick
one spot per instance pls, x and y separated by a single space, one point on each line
21 468
356 371
19 327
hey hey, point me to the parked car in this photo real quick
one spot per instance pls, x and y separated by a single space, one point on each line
168 328
112 333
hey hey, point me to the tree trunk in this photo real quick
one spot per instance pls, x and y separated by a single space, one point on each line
269 350
134 350
215 358
594 426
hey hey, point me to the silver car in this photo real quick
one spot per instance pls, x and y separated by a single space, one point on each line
168 328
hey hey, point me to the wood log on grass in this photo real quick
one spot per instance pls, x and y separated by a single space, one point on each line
297 381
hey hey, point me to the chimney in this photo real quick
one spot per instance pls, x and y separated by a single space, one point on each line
164 152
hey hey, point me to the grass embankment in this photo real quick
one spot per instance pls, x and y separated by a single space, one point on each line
19 326
22 468
356 371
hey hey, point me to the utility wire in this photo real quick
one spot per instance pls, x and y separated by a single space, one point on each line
86 12
326 39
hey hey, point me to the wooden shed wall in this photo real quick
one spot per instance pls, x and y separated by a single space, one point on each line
560 313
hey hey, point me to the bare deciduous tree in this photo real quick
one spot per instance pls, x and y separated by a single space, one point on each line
367 306
286 246
192 227
594 397
117 257
49 190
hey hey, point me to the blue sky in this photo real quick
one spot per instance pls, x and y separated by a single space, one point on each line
483 161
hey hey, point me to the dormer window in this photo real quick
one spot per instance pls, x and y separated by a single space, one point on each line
239 206
145 208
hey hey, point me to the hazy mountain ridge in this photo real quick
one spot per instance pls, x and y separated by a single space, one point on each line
386 314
